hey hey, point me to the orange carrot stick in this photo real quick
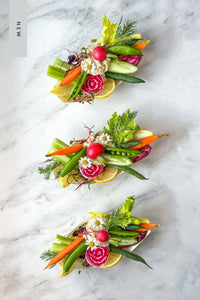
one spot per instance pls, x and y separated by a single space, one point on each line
146 141
147 227
65 251
141 45
67 150
71 76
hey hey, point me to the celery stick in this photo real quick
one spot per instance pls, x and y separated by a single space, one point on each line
63 239
57 247
61 64
57 145
56 72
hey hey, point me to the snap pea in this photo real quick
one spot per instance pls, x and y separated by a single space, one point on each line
128 170
70 259
78 85
128 255
123 233
124 152
133 227
128 50
124 77
73 162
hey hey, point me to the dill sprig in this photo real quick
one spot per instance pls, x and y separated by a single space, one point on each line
47 255
50 165
114 220
124 33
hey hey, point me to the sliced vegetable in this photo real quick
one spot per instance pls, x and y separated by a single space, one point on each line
128 50
91 172
128 255
107 159
146 141
71 76
73 162
122 241
67 150
98 256
129 170
65 251
141 45
146 150
93 84
132 59
124 77
70 259
119 66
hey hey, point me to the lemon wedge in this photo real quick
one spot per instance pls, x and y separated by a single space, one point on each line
113 259
109 87
107 175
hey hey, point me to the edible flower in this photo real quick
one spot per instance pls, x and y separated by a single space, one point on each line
88 67
99 43
97 223
91 242
85 162
104 138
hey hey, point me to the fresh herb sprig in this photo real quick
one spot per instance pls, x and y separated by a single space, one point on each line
47 255
125 32
50 165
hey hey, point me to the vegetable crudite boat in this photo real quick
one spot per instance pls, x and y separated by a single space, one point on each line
101 156
94 72
101 241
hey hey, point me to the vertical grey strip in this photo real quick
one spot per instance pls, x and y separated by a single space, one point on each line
17 28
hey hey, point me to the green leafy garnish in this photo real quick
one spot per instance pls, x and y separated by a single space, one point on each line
50 165
121 128
125 33
108 31
122 216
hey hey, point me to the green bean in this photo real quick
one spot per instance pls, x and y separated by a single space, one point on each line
78 85
128 170
73 162
124 77
70 259
128 144
123 233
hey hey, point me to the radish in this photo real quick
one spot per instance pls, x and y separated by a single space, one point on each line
99 53
102 236
146 149
94 150
93 84
132 59
91 172
98 256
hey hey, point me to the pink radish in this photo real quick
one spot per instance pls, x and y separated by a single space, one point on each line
98 256
92 172
99 53
146 149
93 84
132 59
102 236
94 150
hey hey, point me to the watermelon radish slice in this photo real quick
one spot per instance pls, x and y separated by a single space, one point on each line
98 256
92 172
146 149
93 84
132 59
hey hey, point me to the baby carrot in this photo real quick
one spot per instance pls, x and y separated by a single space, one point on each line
146 141
65 251
141 45
146 227
67 150
71 76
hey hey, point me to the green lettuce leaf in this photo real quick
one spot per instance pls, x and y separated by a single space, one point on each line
108 32
126 209
122 128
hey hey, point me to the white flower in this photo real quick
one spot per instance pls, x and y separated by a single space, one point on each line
85 162
104 138
88 67
99 43
91 242
97 223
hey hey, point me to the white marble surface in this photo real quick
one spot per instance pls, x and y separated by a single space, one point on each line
32 211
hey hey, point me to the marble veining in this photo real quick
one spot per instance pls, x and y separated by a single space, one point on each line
32 211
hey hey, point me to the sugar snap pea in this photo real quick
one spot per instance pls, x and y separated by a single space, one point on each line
123 233
128 144
73 162
128 50
78 85
70 259
123 152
